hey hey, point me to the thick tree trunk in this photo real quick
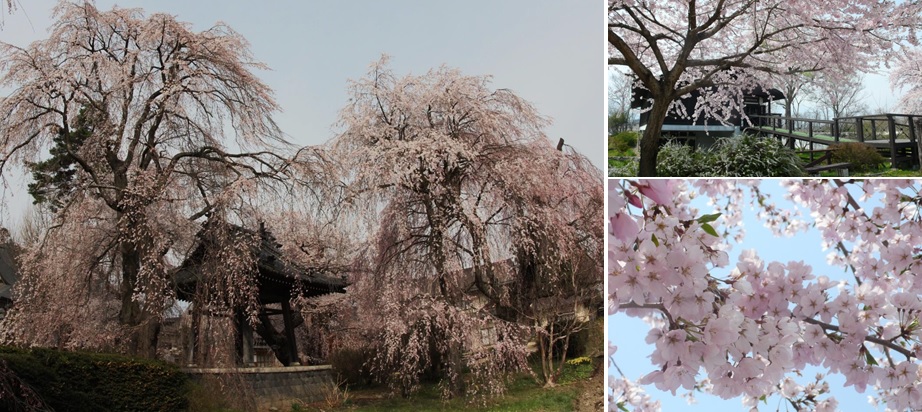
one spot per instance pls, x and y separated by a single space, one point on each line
649 144
787 114
455 382
915 131
143 329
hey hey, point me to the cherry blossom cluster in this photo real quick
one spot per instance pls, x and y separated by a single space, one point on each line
746 331
623 392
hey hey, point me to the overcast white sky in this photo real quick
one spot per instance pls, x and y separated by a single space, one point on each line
878 96
550 52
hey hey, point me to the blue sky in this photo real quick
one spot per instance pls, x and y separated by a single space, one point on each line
549 52
629 333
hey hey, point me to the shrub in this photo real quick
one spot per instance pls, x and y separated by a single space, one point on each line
753 156
622 142
75 381
17 395
623 169
680 160
862 157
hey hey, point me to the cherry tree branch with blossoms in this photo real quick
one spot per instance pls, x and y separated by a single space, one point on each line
747 331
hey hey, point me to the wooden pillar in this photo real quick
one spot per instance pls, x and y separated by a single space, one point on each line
914 144
292 345
243 340
247 335
874 129
238 321
860 128
835 129
892 131
193 336
912 129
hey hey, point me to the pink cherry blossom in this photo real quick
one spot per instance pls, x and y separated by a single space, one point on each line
748 331
623 227
659 191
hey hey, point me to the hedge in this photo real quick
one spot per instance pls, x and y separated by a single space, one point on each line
80 381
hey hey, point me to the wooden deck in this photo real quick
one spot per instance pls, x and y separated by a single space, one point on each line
893 135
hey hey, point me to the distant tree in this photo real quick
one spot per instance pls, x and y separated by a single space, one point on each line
480 227
620 91
137 111
839 96
907 75
793 85
32 227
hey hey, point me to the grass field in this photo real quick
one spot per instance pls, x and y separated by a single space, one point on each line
524 394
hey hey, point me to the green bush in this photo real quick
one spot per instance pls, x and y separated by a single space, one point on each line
753 156
745 156
16 395
618 168
680 160
622 142
76 381
862 157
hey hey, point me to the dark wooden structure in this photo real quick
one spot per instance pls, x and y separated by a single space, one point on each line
893 135
278 282
704 131
9 275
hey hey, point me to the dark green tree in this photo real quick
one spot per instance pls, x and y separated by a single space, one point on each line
53 178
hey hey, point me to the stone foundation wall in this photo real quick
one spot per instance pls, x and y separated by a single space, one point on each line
277 388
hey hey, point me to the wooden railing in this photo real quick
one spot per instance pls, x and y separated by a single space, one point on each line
811 128
889 131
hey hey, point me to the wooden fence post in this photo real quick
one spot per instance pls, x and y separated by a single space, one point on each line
914 145
892 131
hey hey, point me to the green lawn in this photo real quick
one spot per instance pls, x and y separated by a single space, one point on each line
523 394
804 134
618 164
884 171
